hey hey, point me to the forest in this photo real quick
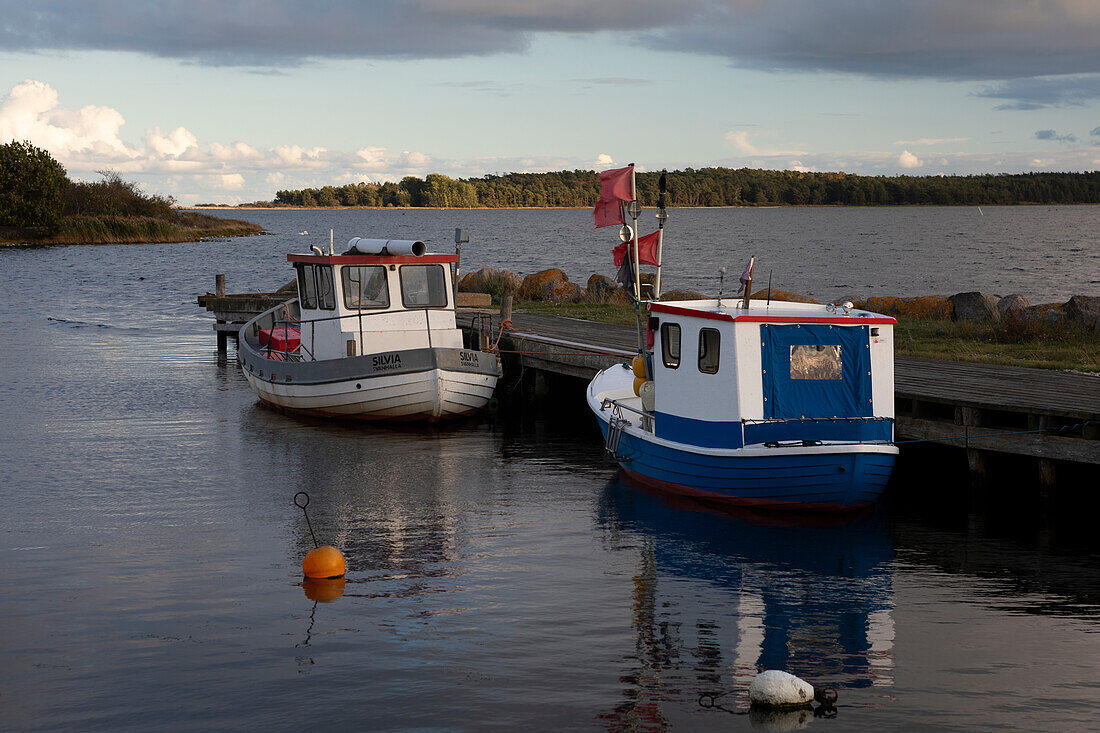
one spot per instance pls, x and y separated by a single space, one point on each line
709 187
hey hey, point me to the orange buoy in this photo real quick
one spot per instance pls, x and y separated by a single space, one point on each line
638 366
324 590
324 562
638 382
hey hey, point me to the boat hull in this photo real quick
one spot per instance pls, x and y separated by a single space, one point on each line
425 385
826 477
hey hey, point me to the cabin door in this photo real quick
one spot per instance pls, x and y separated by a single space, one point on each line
815 370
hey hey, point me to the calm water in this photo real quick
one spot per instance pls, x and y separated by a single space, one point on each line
499 575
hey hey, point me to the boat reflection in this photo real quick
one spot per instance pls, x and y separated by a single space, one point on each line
719 597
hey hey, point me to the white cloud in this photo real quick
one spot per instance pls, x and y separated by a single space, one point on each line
170 145
740 141
227 182
908 160
603 160
931 141
30 112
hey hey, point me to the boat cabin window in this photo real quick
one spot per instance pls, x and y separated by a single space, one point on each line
307 287
670 344
811 361
315 287
423 286
709 345
365 287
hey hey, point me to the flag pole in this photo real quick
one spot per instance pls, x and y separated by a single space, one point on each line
634 217
662 217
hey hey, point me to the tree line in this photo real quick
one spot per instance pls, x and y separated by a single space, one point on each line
710 187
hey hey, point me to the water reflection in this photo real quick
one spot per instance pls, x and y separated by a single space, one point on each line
718 598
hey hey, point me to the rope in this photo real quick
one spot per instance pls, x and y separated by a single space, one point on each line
1063 430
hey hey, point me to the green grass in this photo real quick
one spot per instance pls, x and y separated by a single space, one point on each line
184 226
1010 342
599 312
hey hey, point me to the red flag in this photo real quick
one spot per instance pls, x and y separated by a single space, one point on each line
647 250
615 185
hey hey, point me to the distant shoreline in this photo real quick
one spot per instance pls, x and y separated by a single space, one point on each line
246 207
131 230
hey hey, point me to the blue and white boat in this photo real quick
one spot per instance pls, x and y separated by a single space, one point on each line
777 405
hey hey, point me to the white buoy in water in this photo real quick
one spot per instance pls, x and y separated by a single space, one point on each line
779 690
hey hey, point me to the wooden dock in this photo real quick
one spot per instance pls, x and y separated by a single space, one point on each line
980 408
1050 417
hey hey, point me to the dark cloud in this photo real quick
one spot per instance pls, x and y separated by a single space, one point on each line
1055 137
1095 131
1041 93
987 40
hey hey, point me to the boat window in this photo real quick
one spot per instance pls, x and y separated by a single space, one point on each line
670 344
307 287
709 345
810 361
365 287
326 292
423 286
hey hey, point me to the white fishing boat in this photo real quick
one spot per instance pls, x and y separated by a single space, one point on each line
752 402
371 336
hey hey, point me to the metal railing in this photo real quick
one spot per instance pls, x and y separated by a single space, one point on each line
270 320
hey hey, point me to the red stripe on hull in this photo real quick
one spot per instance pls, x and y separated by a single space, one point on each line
764 504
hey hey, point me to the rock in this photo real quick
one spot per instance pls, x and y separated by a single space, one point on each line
925 306
489 280
1045 313
781 295
974 307
601 289
1012 304
1085 310
779 690
549 285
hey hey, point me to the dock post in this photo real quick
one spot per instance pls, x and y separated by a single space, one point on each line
1048 472
976 460
506 307
219 291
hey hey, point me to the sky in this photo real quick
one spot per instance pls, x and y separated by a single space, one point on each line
229 101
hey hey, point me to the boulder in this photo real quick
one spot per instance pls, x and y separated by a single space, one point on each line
549 285
778 690
600 289
776 294
974 307
1012 304
924 306
1044 313
1085 310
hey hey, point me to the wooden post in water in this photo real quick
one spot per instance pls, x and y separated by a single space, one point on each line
219 290
505 307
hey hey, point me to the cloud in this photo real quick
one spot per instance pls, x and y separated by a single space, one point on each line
993 39
603 160
740 141
1095 131
932 141
30 112
1044 92
908 160
1055 137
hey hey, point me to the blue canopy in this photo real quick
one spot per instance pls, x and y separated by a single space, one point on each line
818 370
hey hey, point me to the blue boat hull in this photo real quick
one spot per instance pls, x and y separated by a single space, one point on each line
821 481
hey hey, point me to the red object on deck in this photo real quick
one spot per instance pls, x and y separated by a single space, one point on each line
281 338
